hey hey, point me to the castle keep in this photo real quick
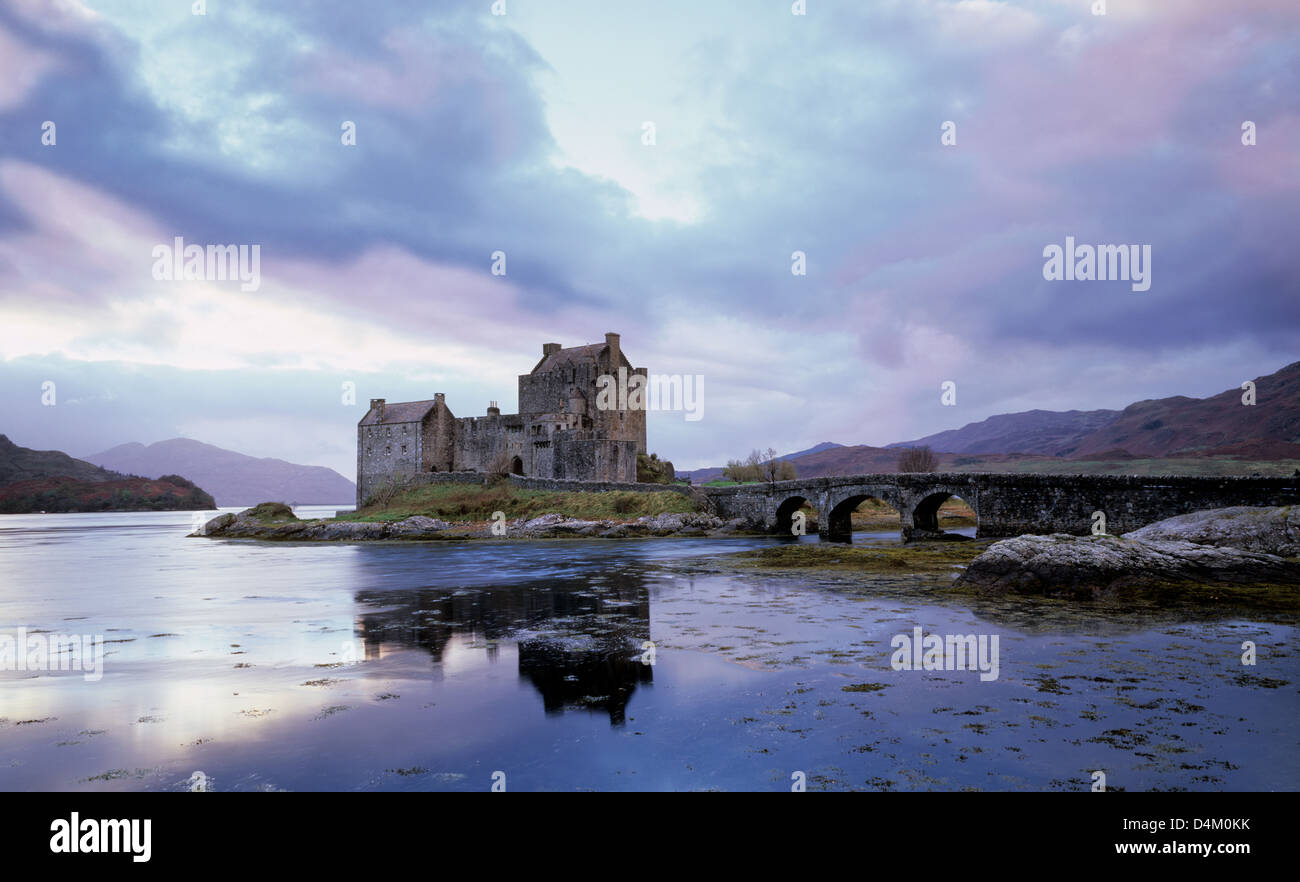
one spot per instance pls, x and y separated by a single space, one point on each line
559 431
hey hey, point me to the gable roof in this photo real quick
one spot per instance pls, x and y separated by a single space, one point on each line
399 412
569 357
575 355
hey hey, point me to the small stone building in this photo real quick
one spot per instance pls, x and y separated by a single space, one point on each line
559 432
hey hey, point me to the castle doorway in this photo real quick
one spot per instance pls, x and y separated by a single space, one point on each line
516 466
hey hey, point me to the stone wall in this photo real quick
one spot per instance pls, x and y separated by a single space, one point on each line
563 486
1014 504
385 452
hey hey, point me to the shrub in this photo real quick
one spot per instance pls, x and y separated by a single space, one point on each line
653 470
918 459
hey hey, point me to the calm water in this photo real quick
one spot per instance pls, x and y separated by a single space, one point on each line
434 666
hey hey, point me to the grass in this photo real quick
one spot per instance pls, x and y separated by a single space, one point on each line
272 512
469 502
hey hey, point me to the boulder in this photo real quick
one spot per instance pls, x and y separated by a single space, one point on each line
1095 566
681 523
416 527
1250 528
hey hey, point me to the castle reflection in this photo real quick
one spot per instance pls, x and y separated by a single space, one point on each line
581 645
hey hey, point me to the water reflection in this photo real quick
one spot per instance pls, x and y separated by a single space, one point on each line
581 645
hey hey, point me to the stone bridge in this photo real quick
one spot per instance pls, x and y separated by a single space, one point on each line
1004 504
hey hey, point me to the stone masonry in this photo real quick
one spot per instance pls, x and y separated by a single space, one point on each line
559 432
1004 504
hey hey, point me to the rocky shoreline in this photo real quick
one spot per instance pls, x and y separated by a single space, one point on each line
1216 550
279 524
1240 550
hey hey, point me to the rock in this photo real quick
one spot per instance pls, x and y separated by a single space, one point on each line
728 528
543 522
551 525
1094 566
416 526
676 522
340 531
217 524
1250 528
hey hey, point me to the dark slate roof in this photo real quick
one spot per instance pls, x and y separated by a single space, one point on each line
569 357
574 355
399 412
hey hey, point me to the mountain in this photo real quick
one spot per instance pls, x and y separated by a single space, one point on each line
825 445
232 478
1044 432
24 464
1221 424
1176 426
50 480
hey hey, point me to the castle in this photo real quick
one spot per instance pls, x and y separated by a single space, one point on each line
559 431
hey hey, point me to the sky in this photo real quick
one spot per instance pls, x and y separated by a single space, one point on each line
528 133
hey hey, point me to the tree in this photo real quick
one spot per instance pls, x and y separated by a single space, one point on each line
918 459
759 466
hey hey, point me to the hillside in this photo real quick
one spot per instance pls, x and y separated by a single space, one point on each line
23 464
1176 426
52 481
57 494
1206 426
1044 432
232 478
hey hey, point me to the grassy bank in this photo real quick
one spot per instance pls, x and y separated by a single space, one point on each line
470 502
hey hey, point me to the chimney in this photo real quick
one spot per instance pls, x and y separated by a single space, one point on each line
548 348
493 410
377 404
615 356
439 398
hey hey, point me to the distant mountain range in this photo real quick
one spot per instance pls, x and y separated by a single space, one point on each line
1045 432
1175 427
232 478
1162 427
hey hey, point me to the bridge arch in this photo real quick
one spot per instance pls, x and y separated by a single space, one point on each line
925 511
841 505
784 517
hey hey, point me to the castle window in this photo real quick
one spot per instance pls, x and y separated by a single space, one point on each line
403 448
388 451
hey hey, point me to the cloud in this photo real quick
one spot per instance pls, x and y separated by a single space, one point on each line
522 134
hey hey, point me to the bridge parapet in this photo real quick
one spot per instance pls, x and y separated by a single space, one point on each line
1004 504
